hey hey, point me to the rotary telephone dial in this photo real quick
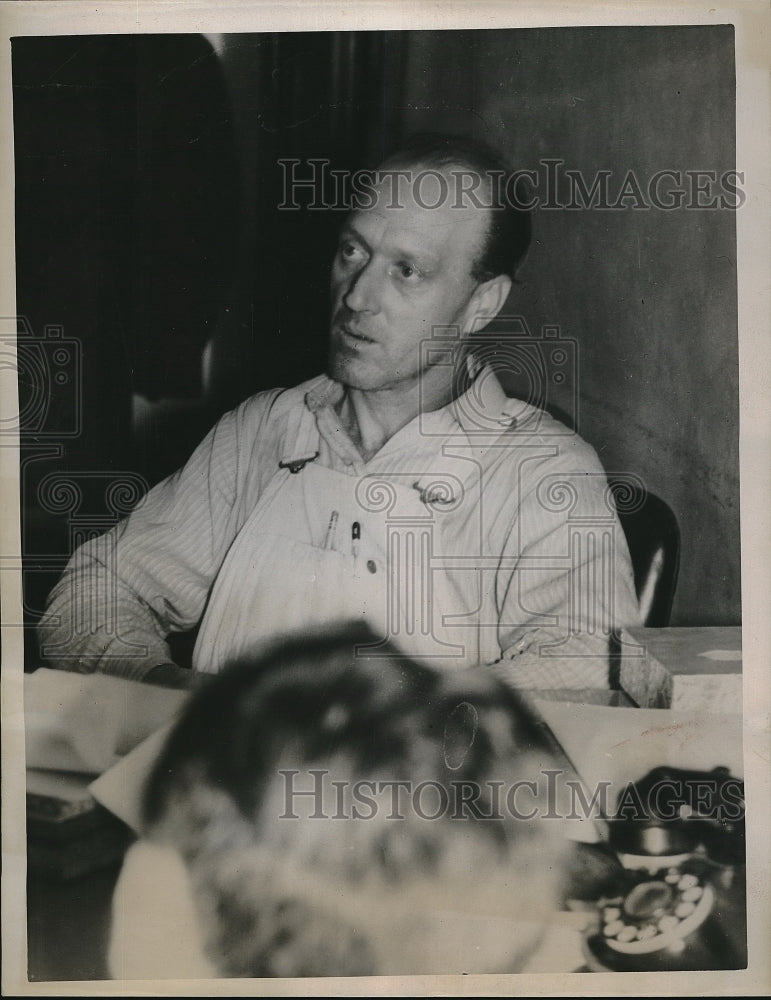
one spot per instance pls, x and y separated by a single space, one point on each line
667 891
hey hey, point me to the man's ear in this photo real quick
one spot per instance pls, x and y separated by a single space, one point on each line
486 302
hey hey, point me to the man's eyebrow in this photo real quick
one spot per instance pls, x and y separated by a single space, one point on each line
424 257
350 231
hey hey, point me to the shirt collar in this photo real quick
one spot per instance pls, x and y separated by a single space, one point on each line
482 414
483 408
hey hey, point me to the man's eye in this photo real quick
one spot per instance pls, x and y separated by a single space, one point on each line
349 251
407 271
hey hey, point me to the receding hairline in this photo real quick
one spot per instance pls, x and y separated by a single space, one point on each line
453 167
509 228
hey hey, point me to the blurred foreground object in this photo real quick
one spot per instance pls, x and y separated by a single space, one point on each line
319 813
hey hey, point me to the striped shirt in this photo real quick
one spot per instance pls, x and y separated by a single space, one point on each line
540 557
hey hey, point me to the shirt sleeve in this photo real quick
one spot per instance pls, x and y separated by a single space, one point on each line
566 585
122 594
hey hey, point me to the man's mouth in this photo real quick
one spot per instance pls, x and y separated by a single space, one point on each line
353 335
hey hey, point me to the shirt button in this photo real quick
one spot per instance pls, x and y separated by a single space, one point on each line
371 566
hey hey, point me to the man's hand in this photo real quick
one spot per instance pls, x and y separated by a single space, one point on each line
171 676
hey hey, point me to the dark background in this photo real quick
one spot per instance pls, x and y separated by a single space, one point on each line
147 231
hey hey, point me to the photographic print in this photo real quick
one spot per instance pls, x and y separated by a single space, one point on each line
377 609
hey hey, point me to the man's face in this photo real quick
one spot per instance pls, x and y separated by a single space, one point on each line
400 269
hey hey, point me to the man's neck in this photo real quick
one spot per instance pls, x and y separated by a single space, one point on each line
372 417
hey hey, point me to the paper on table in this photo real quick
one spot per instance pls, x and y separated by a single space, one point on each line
723 655
560 949
621 745
120 788
87 722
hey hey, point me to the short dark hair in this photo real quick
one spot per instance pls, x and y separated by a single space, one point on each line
312 702
510 229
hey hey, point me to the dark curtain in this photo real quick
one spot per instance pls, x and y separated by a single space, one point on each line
148 225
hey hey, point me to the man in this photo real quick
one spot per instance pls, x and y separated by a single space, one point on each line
403 488
314 813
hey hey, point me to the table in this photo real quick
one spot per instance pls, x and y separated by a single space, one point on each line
68 920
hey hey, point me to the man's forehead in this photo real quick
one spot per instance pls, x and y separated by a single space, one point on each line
424 211
423 189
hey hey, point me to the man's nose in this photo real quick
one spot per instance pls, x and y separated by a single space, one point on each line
363 292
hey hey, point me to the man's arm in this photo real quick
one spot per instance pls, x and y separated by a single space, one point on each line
572 585
123 593
169 675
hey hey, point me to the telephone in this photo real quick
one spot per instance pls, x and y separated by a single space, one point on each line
676 899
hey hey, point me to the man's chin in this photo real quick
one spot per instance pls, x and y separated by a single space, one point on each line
349 372
344 376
